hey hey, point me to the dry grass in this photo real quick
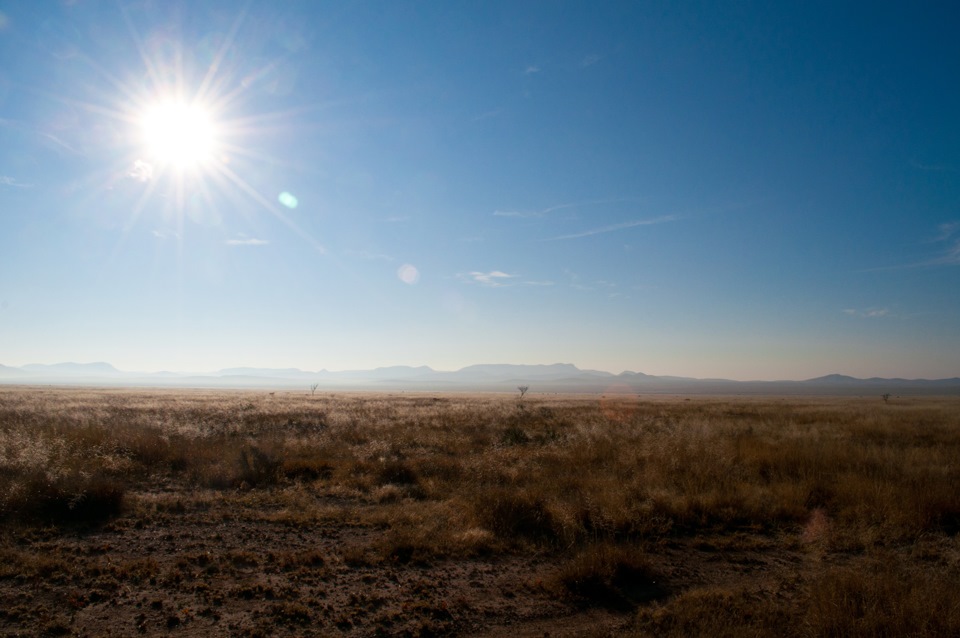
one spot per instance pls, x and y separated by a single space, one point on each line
601 489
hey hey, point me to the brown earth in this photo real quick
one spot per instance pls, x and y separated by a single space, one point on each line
336 553
214 564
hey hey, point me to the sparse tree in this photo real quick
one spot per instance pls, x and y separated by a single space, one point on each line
313 388
523 389
885 397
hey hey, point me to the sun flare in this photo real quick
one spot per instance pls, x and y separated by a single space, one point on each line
178 134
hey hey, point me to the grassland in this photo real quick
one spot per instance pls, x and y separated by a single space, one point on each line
127 513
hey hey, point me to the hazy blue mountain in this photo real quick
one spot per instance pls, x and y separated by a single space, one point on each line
525 372
98 368
264 372
9 371
834 378
557 377
389 372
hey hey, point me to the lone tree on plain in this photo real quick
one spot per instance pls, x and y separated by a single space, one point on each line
313 388
523 389
885 397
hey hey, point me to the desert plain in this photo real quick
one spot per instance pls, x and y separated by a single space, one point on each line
132 512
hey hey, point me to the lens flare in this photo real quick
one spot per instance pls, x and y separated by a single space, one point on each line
408 274
288 200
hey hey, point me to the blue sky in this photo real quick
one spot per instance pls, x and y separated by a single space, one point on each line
747 190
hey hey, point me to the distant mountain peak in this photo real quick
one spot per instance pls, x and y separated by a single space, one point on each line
70 367
833 378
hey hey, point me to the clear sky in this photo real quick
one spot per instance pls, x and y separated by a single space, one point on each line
749 190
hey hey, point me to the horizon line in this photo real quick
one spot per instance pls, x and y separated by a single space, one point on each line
219 372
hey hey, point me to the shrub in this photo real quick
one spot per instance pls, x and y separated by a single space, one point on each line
257 466
516 514
610 576
514 435
72 497
719 613
885 599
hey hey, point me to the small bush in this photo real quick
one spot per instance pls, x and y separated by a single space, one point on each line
514 514
610 576
257 466
883 600
69 498
719 613
397 473
306 468
514 435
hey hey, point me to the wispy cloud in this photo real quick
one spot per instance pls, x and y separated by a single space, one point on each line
546 211
164 234
589 60
951 257
615 227
947 230
576 282
56 143
532 213
44 137
488 115
494 278
531 69
867 313
141 171
6 180
499 279
368 255
246 241
936 168
948 236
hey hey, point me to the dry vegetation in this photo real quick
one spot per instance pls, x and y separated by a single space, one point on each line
151 512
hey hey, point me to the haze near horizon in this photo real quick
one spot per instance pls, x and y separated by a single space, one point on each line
750 192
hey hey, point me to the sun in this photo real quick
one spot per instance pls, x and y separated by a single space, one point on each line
179 135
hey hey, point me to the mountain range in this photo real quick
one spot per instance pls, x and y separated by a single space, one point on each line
557 377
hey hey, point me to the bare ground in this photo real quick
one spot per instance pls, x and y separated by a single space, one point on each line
242 564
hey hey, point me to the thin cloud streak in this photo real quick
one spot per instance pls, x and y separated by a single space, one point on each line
950 256
492 279
935 168
546 211
868 313
615 227
488 115
6 180
46 138
368 255
947 230
499 279
589 60
246 242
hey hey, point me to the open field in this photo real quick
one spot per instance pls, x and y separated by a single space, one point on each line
132 512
